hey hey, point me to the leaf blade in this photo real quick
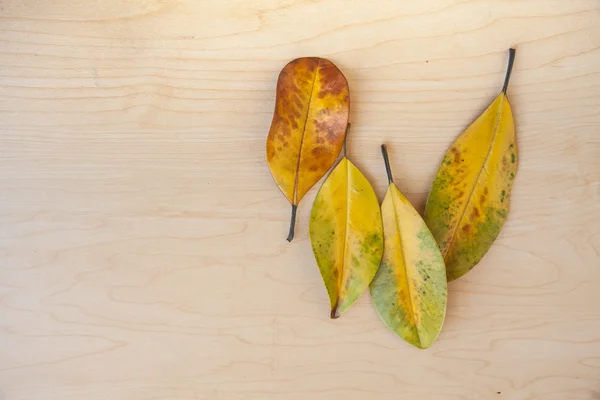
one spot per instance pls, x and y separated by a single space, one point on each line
309 124
409 291
469 200
346 235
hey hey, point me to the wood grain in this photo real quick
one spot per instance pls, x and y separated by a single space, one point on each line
142 239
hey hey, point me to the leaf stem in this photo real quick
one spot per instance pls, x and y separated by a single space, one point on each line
292 223
511 61
386 159
345 140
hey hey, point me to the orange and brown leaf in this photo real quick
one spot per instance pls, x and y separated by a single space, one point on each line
309 124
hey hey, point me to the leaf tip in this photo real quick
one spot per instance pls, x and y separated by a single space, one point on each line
335 311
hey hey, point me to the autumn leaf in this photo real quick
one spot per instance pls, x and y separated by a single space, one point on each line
308 128
409 291
468 202
346 235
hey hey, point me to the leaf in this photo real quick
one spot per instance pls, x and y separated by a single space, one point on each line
468 203
409 290
346 235
308 128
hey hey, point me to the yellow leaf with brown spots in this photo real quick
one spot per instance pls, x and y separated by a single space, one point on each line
410 290
469 200
346 235
309 126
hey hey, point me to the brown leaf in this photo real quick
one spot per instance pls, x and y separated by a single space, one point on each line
309 126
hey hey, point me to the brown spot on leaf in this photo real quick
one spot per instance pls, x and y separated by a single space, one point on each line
331 80
298 102
286 144
456 154
475 212
277 120
466 228
279 148
313 168
270 151
319 151
334 130
483 197
282 90
320 140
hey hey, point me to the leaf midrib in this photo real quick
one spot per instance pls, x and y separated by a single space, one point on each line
408 285
343 265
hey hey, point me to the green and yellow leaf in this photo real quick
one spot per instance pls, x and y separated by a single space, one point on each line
346 235
469 200
309 126
409 291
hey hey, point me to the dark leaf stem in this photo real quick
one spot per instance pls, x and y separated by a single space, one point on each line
386 159
511 61
292 223
344 152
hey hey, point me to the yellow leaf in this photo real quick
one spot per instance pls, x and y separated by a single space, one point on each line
346 235
409 291
308 128
468 202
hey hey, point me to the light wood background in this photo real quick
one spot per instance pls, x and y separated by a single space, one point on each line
142 239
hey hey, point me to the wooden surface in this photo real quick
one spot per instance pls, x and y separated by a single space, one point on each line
142 239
